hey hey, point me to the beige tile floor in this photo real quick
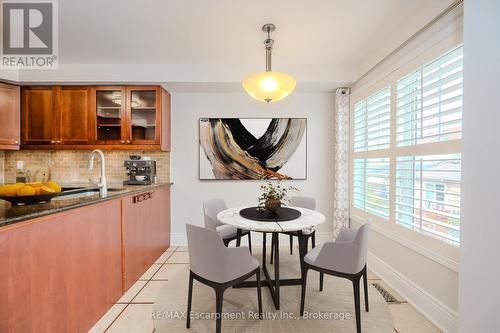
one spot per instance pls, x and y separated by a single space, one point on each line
132 312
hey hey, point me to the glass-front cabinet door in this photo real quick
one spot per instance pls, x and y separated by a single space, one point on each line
144 107
111 117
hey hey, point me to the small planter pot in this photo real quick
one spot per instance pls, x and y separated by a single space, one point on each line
272 204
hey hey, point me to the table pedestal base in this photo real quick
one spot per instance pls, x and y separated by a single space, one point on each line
274 284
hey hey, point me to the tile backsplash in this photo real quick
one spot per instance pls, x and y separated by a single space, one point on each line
67 166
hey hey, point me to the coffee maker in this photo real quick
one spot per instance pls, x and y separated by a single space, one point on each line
140 172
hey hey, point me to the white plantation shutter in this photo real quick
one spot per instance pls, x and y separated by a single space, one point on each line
371 185
360 126
372 121
358 190
427 197
429 101
412 176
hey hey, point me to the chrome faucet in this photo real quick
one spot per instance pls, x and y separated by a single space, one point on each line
101 184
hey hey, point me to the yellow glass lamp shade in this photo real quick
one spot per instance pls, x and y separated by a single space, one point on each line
269 86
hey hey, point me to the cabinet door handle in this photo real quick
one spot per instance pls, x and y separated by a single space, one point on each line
128 141
16 142
143 196
123 141
52 142
58 142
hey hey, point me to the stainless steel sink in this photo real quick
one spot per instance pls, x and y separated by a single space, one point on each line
75 193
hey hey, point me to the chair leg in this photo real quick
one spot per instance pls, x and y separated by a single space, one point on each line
250 242
313 239
272 250
321 277
259 294
238 237
190 298
291 244
303 293
264 248
219 297
226 242
365 282
357 301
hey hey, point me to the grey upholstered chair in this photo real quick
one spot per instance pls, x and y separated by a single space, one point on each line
346 258
211 208
304 202
217 266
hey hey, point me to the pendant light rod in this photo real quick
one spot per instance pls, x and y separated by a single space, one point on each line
268 44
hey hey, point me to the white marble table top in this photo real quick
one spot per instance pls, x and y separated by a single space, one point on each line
307 221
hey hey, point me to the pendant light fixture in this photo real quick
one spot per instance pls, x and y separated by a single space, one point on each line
269 86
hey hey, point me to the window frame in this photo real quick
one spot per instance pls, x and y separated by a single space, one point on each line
394 151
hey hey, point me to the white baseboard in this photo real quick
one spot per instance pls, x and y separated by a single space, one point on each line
438 313
179 239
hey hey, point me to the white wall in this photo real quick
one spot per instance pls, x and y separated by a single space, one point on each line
330 76
480 227
9 75
188 191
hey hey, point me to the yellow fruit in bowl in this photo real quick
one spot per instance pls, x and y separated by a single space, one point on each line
10 190
46 190
35 184
25 190
53 185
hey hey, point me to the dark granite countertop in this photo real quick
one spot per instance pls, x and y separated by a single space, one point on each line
13 214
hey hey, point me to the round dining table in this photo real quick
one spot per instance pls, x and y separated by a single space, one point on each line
307 220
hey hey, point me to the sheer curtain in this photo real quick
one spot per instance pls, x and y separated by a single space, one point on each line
341 176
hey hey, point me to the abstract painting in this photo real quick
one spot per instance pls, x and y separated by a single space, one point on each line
253 148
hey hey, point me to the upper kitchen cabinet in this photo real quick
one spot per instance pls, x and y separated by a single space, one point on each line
144 104
76 121
132 117
110 115
39 115
54 117
10 117
104 117
148 117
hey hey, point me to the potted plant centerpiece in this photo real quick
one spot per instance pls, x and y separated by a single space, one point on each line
274 195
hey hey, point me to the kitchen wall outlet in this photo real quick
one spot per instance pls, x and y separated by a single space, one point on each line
20 165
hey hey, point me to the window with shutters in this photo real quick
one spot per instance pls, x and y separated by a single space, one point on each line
429 102
411 176
372 121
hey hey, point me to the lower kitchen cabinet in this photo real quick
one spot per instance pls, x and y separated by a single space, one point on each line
62 272
146 232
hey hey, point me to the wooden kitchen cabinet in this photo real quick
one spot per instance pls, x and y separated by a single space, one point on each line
76 122
144 105
109 110
60 273
57 116
146 232
96 117
39 115
10 117
132 117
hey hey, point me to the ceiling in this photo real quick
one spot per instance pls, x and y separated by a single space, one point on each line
314 40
